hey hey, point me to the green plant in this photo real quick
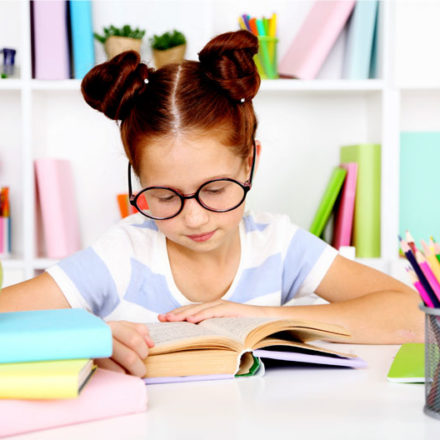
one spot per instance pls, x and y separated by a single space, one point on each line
124 31
167 40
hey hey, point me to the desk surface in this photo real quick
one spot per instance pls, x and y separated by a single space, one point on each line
300 402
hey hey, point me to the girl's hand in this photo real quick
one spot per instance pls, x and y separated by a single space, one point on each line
131 342
214 309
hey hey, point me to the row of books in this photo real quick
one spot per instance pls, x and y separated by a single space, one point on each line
5 222
317 35
48 377
349 211
61 39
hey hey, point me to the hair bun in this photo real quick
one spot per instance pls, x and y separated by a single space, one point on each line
111 87
228 60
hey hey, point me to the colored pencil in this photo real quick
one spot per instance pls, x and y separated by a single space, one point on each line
418 285
410 240
420 275
432 260
421 260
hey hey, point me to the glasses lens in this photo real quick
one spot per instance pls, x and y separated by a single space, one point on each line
221 195
158 203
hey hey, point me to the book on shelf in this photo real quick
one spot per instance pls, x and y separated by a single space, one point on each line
230 346
107 394
50 40
359 44
419 158
57 203
328 201
343 226
42 335
366 224
62 379
315 38
5 222
81 32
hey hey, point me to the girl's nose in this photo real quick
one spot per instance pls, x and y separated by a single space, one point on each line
194 214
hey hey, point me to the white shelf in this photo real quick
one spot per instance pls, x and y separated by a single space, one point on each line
10 84
284 85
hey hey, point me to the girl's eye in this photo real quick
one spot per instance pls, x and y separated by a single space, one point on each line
167 199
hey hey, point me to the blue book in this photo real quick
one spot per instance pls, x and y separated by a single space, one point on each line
419 211
359 44
83 50
43 335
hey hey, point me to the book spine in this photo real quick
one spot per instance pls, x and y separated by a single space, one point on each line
82 37
96 401
360 40
50 39
315 39
56 345
56 196
366 227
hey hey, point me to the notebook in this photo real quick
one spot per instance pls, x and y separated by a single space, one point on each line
409 364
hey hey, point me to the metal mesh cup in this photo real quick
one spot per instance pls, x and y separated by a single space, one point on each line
432 361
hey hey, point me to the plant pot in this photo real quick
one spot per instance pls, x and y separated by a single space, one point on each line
116 45
168 56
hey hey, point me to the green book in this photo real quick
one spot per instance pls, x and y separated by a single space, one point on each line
366 223
419 211
328 201
409 364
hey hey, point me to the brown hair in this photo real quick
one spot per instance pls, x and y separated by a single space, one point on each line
204 95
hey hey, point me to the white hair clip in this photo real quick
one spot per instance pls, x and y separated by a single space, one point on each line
146 81
242 100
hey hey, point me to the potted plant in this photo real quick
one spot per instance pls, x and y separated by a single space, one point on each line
168 48
117 40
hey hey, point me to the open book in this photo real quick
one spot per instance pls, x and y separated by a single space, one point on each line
230 346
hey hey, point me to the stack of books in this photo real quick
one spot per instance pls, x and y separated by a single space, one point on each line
352 200
47 374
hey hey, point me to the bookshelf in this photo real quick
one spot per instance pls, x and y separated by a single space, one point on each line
302 124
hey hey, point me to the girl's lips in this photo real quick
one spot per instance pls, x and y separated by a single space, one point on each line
201 237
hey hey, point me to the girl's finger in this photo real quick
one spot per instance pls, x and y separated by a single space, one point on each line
109 364
128 335
128 359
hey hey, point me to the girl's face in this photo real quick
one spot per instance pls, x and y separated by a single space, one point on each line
185 162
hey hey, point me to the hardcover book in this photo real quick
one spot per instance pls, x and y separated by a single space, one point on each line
229 346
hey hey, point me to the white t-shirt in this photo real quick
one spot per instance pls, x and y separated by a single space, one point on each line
126 274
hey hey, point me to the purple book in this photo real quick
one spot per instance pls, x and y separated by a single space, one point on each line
50 39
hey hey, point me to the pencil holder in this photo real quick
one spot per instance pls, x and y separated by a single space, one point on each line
432 361
266 58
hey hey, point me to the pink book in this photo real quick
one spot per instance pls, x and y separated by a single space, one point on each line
56 196
50 39
107 394
344 215
315 38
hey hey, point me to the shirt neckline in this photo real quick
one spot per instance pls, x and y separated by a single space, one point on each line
175 291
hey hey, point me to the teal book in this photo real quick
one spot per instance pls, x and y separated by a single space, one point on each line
366 221
409 364
328 201
81 27
419 210
359 43
43 335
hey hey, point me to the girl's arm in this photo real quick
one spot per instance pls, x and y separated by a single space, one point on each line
374 307
130 340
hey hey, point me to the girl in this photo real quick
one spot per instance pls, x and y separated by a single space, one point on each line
192 252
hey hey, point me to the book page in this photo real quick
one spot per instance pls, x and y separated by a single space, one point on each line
234 328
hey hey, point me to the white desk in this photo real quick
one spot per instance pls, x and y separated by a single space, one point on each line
299 402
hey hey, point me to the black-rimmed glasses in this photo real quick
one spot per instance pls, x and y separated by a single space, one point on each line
217 195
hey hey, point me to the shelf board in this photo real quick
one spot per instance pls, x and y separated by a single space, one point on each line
12 262
10 84
66 84
43 263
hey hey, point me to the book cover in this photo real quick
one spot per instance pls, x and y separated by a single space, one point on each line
366 223
56 197
107 394
41 335
328 200
359 44
409 364
61 379
315 38
82 37
50 39
344 215
418 210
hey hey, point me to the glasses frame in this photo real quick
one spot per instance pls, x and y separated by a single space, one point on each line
246 186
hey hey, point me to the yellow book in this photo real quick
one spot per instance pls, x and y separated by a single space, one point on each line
61 379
